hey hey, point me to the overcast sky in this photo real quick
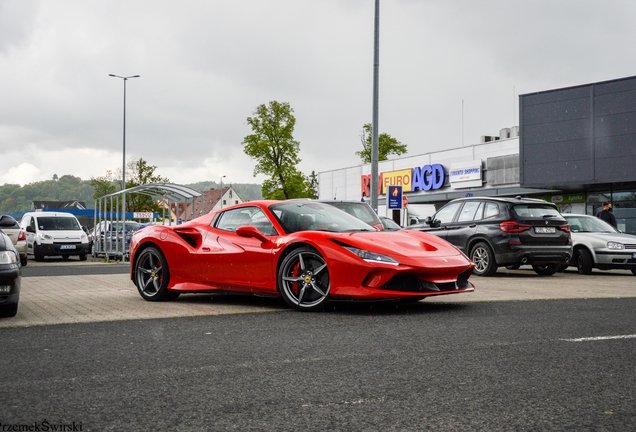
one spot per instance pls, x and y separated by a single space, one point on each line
450 71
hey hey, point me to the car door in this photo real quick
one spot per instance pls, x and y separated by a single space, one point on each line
232 261
460 230
28 223
443 219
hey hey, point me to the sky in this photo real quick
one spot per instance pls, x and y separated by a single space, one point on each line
449 72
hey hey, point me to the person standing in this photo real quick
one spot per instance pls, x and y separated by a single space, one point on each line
607 214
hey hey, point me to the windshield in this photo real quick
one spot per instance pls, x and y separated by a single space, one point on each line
358 209
589 224
54 223
536 211
297 216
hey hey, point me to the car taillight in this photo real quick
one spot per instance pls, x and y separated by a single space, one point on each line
565 228
514 227
22 236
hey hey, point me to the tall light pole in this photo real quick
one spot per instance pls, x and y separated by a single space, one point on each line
222 177
123 168
374 136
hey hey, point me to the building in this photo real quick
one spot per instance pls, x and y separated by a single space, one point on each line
212 200
574 146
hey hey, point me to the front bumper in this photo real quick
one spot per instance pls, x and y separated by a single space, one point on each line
10 283
51 249
611 259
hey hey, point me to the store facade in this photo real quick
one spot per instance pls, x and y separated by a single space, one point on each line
575 147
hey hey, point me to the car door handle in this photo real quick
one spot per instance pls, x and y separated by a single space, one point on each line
472 226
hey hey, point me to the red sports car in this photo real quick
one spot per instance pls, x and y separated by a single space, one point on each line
308 252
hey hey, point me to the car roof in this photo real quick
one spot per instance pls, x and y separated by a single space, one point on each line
511 200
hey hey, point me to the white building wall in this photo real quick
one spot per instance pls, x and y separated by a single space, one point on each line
345 183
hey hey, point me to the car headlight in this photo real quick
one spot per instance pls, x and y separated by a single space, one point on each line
371 256
8 257
615 245
47 237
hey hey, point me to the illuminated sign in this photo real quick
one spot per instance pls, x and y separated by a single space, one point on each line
428 177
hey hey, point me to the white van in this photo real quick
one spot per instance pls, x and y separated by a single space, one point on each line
54 234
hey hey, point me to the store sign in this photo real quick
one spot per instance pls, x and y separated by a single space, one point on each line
143 215
425 178
428 177
467 171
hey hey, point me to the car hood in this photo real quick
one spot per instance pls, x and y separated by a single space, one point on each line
403 243
604 237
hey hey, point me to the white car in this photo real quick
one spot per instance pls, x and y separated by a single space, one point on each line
11 228
599 245
54 234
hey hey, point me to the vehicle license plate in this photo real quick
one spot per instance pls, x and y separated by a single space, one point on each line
544 230
67 247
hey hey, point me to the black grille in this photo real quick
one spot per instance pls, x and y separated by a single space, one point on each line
409 283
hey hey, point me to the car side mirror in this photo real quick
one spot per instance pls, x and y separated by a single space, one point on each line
429 220
251 232
30 229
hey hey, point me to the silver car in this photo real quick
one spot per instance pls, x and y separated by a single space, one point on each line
11 227
599 245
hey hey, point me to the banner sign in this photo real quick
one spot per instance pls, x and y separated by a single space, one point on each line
395 197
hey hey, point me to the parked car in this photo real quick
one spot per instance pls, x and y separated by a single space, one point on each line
389 224
12 228
509 232
10 277
111 234
307 252
54 234
359 209
599 245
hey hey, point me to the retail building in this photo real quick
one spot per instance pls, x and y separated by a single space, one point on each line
574 146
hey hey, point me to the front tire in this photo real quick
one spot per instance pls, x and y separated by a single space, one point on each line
36 253
547 269
584 262
484 260
152 276
303 280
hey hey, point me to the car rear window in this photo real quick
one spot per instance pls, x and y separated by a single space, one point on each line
535 211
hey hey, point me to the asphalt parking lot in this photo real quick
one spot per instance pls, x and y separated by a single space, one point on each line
95 295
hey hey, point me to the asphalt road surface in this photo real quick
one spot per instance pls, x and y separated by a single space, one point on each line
495 366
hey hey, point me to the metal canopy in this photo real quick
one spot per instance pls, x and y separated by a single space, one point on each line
118 243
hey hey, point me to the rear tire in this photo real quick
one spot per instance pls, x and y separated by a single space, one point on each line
634 272
484 260
547 269
584 262
152 276
23 260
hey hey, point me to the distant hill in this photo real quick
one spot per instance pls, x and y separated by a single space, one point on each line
16 198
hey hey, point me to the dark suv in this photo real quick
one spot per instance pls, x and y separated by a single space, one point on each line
507 232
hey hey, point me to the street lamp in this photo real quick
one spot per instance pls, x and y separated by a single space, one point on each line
123 168
222 177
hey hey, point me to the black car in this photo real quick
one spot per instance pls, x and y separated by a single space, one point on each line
509 232
10 277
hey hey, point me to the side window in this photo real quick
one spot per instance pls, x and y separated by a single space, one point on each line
32 223
446 214
491 210
232 219
469 211
246 216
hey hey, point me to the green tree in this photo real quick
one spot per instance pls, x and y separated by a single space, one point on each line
275 150
387 145
140 173
104 185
